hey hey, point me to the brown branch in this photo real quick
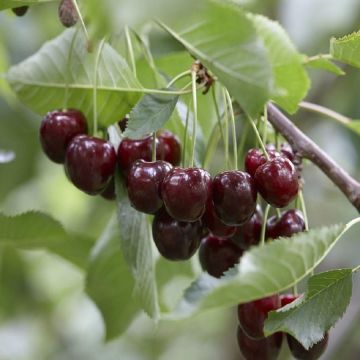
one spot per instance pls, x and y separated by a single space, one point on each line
306 148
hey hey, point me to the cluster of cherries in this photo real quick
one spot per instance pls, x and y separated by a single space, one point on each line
191 209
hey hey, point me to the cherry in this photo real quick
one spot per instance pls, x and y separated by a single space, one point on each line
255 157
214 224
175 240
287 299
143 185
234 196
90 163
170 147
259 349
217 255
249 234
290 223
109 192
253 314
57 129
299 352
277 181
185 193
287 151
20 11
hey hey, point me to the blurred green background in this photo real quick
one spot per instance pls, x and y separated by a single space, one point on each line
44 312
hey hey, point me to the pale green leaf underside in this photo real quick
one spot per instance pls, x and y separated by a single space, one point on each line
262 271
34 230
226 42
46 79
9 4
324 303
136 245
323 63
346 49
291 80
150 114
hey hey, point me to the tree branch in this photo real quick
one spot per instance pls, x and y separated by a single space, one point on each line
306 148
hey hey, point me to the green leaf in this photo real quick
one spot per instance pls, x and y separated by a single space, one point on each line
9 4
262 271
150 114
291 80
324 303
64 63
136 245
110 283
5 90
354 125
346 49
226 42
320 62
35 230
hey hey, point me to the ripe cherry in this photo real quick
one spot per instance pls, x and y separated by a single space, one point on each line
143 185
255 157
234 196
249 234
290 223
90 163
185 193
253 314
109 192
57 129
20 10
218 255
287 299
175 240
214 224
277 181
300 353
259 349
169 147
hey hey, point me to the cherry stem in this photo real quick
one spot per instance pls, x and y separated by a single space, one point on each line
265 125
263 228
232 118
194 99
130 49
218 116
295 290
186 134
318 57
81 21
306 148
154 146
226 115
303 209
178 77
95 86
252 123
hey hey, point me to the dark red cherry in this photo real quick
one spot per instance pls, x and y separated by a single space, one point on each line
290 223
234 195
277 181
90 163
57 129
109 192
253 314
287 151
218 255
143 184
214 224
175 240
185 193
249 234
169 147
255 157
286 299
20 11
300 353
259 349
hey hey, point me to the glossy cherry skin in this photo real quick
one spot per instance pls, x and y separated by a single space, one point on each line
252 315
234 196
214 224
300 353
109 192
259 349
218 255
255 158
57 129
185 193
143 184
249 234
169 146
291 222
175 240
20 11
90 163
277 181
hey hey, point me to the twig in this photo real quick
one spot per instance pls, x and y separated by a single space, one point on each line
306 148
